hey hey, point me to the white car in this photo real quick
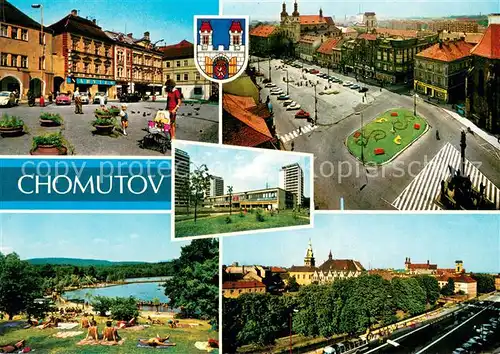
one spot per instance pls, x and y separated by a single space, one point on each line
7 99
84 98
347 84
287 103
270 84
293 106
459 351
277 93
274 89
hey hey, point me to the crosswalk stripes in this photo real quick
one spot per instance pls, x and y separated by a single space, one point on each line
425 187
298 132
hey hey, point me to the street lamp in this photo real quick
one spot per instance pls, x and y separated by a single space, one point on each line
315 105
42 40
291 313
415 96
270 68
155 43
287 82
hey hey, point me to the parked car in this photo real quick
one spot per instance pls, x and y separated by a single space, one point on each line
347 84
84 97
63 99
355 87
130 97
7 99
313 71
277 93
293 106
96 98
363 89
270 84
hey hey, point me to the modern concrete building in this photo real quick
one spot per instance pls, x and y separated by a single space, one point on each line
216 187
182 175
270 198
291 179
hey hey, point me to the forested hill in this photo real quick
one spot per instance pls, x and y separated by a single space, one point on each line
78 262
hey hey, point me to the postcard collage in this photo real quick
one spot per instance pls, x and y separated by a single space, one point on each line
234 176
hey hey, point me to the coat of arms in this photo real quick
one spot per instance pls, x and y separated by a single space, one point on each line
221 50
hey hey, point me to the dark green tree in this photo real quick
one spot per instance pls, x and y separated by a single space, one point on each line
232 318
409 296
194 287
124 309
292 285
449 288
431 287
199 182
102 304
485 282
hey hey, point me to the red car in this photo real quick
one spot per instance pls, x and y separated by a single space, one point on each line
314 71
302 114
63 99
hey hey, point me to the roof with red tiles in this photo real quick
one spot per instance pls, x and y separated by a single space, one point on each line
327 46
368 36
462 278
242 285
315 20
183 49
302 269
206 26
422 266
263 31
447 51
341 265
278 270
398 33
489 46
235 27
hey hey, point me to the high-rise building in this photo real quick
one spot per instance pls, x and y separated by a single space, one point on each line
182 174
216 187
291 179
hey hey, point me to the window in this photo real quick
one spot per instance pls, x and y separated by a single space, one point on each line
96 69
13 60
186 77
178 77
168 77
236 40
24 61
4 30
185 63
168 64
178 63
41 63
14 33
86 68
204 40
120 72
120 56
197 76
3 59
24 34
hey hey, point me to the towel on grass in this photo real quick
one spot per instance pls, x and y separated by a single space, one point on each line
67 325
134 328
99 342
67 334
205 346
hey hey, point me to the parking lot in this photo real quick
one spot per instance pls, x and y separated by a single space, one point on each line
195 121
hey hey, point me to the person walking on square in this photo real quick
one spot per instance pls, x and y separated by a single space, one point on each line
102 101
124 118
173 103
78 102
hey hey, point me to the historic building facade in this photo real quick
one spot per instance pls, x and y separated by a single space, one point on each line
483 80
264 40
440 70
25 55
87 56
178 65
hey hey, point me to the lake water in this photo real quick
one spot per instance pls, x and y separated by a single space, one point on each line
141 291
152 279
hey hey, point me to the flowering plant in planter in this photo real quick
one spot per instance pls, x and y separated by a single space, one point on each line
51 118
11 122
50 144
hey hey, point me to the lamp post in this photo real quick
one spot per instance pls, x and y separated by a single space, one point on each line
415 96
287 92
42 40
291 313
315 105
270 69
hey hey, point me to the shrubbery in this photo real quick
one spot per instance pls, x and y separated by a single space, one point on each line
121 308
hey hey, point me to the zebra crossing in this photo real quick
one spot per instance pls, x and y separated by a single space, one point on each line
298 132
425 187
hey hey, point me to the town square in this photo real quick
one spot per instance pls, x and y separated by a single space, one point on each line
344 90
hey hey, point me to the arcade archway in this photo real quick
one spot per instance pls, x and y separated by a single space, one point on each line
36 87
58 81
10 83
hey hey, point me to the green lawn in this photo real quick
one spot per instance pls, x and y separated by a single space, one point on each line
239 222
42 341
391 133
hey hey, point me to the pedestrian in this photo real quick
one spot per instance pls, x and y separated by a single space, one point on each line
102 101
300 130
173 103
293 146
124 118
78 102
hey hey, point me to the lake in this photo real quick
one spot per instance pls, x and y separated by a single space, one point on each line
141 291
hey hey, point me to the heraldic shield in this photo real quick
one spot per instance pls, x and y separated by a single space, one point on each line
221 50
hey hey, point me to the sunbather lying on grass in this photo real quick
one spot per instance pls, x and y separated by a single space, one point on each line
157 342
11 348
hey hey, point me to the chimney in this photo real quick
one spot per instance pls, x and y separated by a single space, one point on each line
130 35
427 262
494 19
74 12
146 35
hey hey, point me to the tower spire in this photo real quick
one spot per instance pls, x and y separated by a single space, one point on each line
330 256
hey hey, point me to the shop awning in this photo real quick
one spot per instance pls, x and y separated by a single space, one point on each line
83 81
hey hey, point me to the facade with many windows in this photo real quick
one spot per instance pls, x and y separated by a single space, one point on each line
24 53
178 65
271 198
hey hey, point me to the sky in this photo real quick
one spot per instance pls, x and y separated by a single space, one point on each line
378 241
246 169
112 237
164 19
268 10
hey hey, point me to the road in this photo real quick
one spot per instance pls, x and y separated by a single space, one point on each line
449 333
192 124
338 174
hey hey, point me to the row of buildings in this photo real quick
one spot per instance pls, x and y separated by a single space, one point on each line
449 61
75 52
239 280
288 195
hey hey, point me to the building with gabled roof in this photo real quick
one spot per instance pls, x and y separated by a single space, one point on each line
234 289
482 104
463 283
265 40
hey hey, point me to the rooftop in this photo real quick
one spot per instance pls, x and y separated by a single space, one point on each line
12 15
447 51
341 265
462 278
73 23
242 285
263 31
489 46
315 19
181 50
327 46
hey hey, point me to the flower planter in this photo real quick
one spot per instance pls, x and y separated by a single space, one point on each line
104 129
394 114
357 135
49 150
379 151
11 131
49 123
416 126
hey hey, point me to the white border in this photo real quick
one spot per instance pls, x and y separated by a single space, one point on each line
92 211
257 151
247 44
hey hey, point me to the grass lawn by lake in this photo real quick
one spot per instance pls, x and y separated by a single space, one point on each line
42 340
218 224
390 133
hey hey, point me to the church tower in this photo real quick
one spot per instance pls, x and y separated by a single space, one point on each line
459 267
283 14
309 260
330 256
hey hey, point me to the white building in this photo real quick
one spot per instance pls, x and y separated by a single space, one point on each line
291 178
182 174
216 187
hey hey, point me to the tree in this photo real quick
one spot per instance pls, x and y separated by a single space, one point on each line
156 303
230 192
409 296
200 181
232 318
431 287
20 285
449 288
485 283
292 285
194 286
124 309
102 304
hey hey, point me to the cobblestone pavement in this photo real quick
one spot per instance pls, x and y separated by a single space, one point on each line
196 122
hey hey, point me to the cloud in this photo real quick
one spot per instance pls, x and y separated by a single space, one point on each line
134 236
6 249
263 165
99 240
